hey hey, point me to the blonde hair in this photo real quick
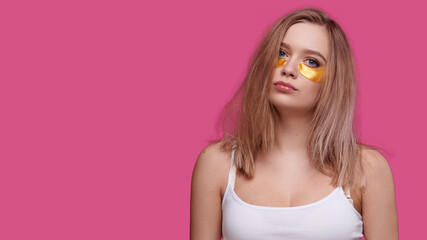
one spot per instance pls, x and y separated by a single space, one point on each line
248 120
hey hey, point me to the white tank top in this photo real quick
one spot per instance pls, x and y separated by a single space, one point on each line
331 218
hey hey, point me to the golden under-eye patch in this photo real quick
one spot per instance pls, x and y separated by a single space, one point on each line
281 62
313 74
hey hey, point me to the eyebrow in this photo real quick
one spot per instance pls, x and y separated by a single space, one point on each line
305 50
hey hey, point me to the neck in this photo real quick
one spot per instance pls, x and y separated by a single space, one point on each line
291 137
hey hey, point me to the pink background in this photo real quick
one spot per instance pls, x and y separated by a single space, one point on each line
105 106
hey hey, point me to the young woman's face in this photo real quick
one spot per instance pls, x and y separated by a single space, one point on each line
301 68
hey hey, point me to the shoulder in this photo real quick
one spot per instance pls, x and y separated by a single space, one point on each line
209 173
378 197
212 158
376 167
211 167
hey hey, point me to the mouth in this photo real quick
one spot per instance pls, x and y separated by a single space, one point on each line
285 85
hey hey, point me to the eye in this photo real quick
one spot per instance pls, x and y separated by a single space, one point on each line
282 54
312 63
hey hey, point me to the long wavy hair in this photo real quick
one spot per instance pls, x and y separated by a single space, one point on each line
248 121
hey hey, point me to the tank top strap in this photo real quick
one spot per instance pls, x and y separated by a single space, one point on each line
232 175
347 194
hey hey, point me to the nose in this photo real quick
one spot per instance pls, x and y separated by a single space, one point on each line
289 69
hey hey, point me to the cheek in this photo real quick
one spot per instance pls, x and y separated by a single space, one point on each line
315 90
276 73
311 92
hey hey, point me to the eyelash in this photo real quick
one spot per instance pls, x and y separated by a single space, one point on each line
314 60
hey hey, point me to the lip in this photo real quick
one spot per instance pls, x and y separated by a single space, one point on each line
283 86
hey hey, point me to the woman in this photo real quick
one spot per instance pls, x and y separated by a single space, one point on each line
289 165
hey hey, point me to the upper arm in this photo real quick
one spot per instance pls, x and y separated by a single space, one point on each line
379 202
205 206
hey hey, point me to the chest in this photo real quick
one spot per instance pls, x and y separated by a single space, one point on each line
271 191
330 218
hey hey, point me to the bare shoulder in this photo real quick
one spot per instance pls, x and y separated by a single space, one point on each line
211 159
209 174
212 166
213 152
378 197
379 177
376 167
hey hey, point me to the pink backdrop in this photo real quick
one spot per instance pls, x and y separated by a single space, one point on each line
105 106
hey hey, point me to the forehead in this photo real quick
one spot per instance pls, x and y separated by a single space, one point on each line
306 35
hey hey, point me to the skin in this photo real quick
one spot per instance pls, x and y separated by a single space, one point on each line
284 176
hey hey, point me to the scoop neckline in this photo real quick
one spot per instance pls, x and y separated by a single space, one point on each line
284 208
